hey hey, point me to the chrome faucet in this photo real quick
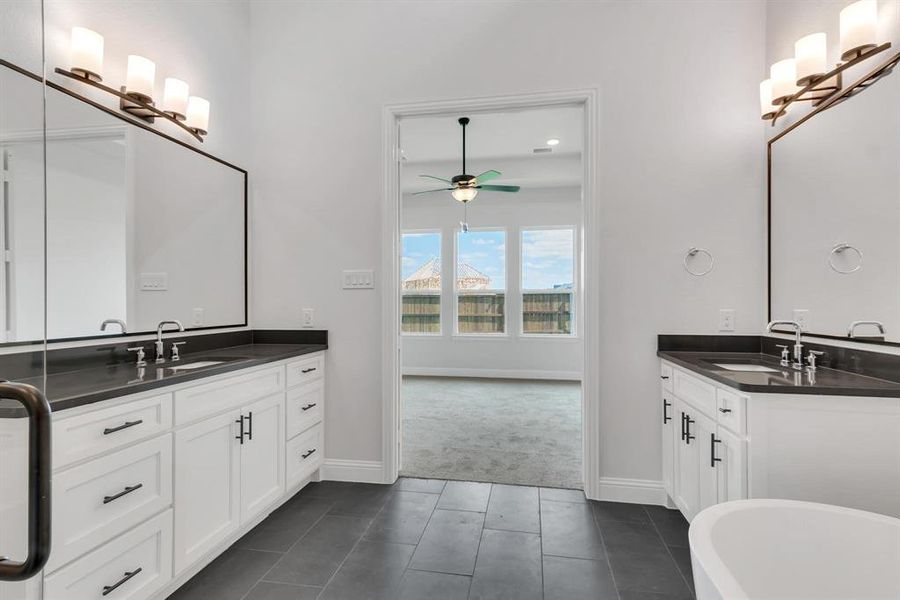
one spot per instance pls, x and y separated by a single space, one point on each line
851 331
798 345
118 322
160 347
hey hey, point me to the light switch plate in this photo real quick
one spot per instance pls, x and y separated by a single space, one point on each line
197 318
801 315
359 280
726 319
309 318
154 282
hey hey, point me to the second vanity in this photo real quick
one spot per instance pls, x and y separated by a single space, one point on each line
738 424
154 477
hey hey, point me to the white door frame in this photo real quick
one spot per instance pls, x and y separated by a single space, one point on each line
590 263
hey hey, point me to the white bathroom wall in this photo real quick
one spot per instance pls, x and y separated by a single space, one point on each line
680 164
510 355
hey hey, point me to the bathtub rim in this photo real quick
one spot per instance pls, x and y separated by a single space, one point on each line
716 571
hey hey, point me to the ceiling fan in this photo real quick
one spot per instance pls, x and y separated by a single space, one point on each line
465 187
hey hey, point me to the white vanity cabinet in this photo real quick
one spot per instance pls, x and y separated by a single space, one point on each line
149 488
703 457
720 444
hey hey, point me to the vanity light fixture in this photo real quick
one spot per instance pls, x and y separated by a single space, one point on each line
811 58
859 23
806 77
87 53
175 98
190 113
783 76
197 115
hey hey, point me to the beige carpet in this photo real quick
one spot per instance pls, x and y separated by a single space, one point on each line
496 430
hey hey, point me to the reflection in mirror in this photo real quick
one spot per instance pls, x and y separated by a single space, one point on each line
835 217
139 227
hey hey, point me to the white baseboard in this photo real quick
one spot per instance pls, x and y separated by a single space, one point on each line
363 471
634 491
493 373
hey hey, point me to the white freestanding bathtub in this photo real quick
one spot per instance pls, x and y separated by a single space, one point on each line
790 550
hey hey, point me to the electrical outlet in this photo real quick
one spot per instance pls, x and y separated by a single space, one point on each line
801 315
726 319
309 319
197 319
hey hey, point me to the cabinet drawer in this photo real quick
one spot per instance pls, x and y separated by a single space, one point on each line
137 564
95 432
305 407
98 500
304 455
699 393
730 410
211 398
665 376
306 370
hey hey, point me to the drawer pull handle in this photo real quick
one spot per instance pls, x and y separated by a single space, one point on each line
663 376
308 454
128 575
682 426
725 410
308 406
309 370
125 492
712 450
666 417
125 425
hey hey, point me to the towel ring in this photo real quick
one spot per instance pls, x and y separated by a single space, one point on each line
839 249
694 252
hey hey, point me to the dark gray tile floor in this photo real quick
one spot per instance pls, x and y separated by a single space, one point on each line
435 540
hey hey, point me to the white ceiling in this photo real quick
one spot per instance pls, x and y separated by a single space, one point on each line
492 135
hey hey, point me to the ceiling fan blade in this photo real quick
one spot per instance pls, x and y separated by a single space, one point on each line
438 178
499 188
432 191
487 176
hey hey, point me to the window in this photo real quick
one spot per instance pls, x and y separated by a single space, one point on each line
481 282
421 282
548 281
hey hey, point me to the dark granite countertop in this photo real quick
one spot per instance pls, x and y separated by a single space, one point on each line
86 386
785 380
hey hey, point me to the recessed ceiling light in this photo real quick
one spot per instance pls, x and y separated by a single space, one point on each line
553 142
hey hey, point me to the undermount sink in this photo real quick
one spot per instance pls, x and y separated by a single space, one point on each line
746 367
196 365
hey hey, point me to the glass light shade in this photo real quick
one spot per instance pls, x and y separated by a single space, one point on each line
464 194
197 114
87 53
859 23
175 97
140 77
767 109
784 80
810 55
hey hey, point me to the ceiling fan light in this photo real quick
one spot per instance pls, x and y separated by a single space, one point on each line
464 194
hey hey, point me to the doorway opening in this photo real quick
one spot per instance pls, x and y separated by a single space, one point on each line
491 295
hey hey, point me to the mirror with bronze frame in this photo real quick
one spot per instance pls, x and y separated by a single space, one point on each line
140 226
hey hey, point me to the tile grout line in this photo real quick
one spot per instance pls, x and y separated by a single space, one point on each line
669 552
355 546
427 522
612 575
283 554
480 538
